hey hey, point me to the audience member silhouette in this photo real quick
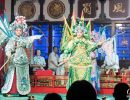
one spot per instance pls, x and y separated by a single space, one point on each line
121 91
81 90
52 96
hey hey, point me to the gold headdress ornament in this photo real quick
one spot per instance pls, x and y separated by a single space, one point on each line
70 32
81 25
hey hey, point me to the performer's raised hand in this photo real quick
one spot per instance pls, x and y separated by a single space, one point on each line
65 60
9 55
101 41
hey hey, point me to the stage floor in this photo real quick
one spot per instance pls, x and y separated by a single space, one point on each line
41 96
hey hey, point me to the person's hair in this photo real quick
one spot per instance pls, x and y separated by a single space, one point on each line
54 47
52 96
35 53
121 91
31 98
81 90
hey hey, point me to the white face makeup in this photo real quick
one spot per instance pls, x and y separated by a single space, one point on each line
79 33
18 31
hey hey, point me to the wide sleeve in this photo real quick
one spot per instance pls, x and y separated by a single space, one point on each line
30 39
69 48
91 46
9 48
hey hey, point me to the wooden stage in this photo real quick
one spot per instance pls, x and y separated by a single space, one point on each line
45 82
51 83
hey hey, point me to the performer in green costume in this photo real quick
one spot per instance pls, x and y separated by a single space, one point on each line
77 46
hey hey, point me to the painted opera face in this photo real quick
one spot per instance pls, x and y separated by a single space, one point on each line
80 33
18 32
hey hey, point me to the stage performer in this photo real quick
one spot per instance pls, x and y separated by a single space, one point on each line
111 61
77 51
95 75
15 34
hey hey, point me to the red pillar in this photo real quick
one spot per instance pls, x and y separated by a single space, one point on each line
2 8
1 63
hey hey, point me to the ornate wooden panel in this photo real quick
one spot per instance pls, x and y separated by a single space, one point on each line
108 29
88 7
118 8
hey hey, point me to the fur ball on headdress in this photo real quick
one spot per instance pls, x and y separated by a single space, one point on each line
19 22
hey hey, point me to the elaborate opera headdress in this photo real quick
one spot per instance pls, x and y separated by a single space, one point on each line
19 22
79 26
69 32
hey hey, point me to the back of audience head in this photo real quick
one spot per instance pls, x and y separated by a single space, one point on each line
81 90
52 96
121 91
